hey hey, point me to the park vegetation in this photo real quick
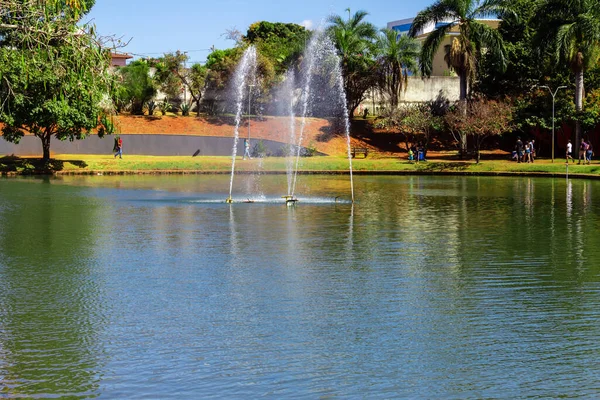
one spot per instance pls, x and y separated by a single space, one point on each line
55 79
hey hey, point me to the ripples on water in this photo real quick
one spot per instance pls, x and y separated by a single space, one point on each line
455 287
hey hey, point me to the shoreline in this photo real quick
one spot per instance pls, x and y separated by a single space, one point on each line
532 174
100 165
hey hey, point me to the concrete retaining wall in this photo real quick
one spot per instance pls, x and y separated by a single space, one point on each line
153 145
427 89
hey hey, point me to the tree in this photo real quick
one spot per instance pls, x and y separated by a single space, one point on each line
396 58
281 43
524 68
55 79
353 39
416 122
487 118
138 86
466 48
481 119
422 121
570 29
166 78
192 79
221 65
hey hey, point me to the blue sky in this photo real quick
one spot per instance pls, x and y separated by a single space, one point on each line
156 27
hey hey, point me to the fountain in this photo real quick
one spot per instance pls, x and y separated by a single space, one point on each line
321 76
321 56
243 78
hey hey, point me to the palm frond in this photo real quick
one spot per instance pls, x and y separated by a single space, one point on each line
441 10
489 39
566 42
495 8
430 46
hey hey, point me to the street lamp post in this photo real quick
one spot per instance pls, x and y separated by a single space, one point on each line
249 93
185 74
553 94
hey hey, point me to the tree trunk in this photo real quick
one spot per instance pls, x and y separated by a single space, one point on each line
463 79
578 105
464 86
45 138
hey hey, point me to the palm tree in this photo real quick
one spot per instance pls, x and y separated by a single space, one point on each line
571 30
396 57
473 36
353 39
466 48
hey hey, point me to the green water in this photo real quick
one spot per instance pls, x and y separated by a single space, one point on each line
152 287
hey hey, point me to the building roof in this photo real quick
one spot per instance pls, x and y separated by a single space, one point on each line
121 55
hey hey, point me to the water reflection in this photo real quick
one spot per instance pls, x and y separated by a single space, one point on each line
52 315
412 292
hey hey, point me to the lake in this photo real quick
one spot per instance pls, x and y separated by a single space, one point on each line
427 287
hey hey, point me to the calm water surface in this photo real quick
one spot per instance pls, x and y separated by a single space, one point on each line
152 287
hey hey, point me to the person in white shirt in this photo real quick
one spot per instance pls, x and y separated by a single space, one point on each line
569 151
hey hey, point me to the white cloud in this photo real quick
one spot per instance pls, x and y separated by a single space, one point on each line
307 23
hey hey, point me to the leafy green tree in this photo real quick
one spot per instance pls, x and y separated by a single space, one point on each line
192 79
570 29
138 86
55 79
165 78
524 68
396 58
354 39
281 43
221 65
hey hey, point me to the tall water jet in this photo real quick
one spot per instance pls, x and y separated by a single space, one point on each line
344 101
321 60
312 55
287 95
244 76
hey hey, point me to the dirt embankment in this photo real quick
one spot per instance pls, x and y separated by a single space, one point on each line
319 133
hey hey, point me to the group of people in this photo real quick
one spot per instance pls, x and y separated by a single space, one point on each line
417 152
586 151
524 152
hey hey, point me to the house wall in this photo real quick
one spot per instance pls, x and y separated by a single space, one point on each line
118 62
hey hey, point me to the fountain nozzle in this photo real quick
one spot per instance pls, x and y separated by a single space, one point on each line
229 200
290 200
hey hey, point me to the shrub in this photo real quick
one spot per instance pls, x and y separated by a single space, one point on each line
259 150
185 109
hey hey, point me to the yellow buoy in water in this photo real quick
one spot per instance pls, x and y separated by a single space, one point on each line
229 200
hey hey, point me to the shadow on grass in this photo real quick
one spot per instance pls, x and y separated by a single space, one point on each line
442 166
31 166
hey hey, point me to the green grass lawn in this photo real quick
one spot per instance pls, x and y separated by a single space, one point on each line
78 163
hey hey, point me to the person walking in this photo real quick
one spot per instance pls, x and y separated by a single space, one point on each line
118 147
247 149
589 153
519 148
569 151
582 151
